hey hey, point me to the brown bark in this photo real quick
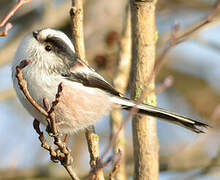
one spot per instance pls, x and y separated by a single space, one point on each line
143 60
76 13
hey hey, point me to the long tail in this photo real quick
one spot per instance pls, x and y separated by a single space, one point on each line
162 114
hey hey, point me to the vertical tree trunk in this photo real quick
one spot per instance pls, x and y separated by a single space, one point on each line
76 13
143 60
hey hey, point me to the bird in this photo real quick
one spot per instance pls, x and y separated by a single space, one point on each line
86 95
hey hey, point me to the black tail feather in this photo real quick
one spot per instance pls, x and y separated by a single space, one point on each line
183 121
188 123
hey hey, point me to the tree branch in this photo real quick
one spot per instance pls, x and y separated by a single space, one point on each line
143 59
76 13
7 27
62 153
23 86
177 37
145 91
53 18
18 5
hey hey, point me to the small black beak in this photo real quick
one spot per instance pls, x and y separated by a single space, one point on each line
35 33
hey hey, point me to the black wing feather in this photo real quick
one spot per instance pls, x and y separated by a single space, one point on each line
88 77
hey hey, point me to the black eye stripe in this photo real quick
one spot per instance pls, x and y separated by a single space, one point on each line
60 46
61 49
57 42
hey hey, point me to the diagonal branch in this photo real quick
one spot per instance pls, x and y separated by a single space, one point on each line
23 86
7 28
62 152
158 63
177 38
18 5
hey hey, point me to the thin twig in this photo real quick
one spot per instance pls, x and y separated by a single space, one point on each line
8 26
23 86
62 153
56 18
159 61
116 166
115 159
44 144
185 35
19 4
71 172
93 147
167 82
176 38
54 156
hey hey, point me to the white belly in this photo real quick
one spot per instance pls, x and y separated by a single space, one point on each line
79 107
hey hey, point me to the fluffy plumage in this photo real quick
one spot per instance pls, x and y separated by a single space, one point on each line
86 95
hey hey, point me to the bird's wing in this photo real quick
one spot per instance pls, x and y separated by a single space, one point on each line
84 74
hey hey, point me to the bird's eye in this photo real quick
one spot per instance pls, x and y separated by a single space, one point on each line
48 47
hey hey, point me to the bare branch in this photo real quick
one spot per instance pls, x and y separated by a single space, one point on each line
116 166
56 17
8 26
143 59
159 61
177 38
19 4
55 155
185 35
62 153
115 159
23 86
76 13
167 82
93 147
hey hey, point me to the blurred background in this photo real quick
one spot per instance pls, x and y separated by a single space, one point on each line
194 65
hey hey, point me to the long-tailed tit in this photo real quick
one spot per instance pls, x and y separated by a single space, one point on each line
86 95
